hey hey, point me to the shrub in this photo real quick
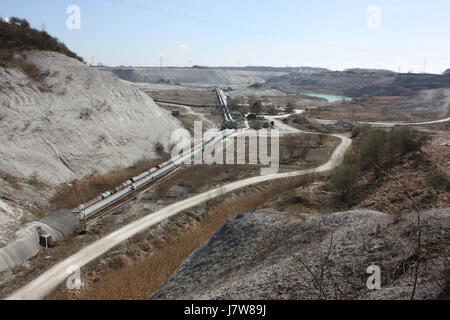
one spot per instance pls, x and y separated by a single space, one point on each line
159 149
437 179
256 107
373 151
70 196
405 140
380 149
18 36
344 181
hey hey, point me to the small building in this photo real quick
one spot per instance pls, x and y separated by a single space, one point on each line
176 113
45 238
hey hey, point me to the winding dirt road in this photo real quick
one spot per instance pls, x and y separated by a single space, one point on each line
50 279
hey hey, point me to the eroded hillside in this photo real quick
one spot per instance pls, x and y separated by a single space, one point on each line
75 122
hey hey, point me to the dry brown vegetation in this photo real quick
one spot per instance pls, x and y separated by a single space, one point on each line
200 177
142 278
70 196
9 178
8 59
17 35
368 109
424 173
377 151
15 181
300 122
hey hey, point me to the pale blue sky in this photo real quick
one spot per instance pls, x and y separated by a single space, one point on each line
325 33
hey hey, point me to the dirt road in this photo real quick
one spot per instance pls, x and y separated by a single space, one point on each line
50 279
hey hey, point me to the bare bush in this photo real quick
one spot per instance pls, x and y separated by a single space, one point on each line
438 179
17 35
344 181
159 149
86 114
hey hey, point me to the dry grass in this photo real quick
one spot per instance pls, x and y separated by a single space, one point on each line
9 178
68 197
207 97
142 278
15 181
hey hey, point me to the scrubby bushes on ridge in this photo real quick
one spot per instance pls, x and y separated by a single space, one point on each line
378 151
18 36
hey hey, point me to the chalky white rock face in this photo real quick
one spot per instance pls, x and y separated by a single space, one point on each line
76 122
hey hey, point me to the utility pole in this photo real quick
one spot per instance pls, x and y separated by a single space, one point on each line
161 64
424 65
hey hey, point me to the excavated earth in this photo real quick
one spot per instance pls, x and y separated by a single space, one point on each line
270 255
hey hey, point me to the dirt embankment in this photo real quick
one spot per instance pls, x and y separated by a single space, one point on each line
286 255
268 255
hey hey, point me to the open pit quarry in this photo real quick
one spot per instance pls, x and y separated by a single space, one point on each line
74 123
79 121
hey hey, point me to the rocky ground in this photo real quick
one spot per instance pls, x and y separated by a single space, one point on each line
415 172
268 255
294 246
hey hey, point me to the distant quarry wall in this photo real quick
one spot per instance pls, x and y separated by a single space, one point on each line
193 77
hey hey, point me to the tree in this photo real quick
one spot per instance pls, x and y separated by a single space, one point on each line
298 147
19 22
256 107
344 181
289 107
373 151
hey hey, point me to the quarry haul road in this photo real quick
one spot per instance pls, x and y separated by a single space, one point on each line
40 287
50 279
393 124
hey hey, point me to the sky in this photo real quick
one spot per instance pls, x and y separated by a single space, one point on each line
400 35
